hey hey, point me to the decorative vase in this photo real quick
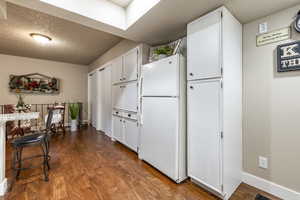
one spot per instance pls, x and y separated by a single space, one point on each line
73 125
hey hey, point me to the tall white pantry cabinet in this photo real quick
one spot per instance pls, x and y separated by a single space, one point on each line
214 60
99 92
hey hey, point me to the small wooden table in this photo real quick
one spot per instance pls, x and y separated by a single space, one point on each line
3 119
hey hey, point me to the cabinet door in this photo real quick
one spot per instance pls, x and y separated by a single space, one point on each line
117 70
130 97
131 134
118 96
101 100
118 129
204 138
94 99
130 72
204 47
108 100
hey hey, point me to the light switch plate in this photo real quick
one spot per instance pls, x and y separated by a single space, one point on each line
263 162
263 28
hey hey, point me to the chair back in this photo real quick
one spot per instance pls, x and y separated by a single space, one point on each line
49 119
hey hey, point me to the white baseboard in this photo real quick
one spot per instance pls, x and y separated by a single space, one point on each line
3 187
270 187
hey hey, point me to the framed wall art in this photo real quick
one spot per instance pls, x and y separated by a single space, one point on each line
34 83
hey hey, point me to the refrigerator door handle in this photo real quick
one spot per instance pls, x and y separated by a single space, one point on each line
141 99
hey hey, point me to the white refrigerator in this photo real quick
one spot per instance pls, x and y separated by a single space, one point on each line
163 116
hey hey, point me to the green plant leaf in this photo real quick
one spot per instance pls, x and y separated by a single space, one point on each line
74 110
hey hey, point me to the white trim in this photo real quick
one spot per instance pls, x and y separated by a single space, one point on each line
270 187
3 187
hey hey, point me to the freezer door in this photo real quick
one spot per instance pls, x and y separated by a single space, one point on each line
204 138
161 78
159 134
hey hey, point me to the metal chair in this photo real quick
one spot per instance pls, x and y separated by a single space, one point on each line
36 139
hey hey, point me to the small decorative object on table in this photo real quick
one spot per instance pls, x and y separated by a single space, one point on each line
21 107
74 113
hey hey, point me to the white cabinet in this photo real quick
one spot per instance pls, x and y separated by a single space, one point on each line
130 67
93 98
117 96
118 132
125 129
131 134
100 98
215 102
117 70
204 47
125 68
130 100
125 96
107 106
204 141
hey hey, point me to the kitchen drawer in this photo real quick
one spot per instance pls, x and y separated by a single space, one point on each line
128 115
118 113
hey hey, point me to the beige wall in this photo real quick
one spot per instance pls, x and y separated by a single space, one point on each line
121 48
271 107
73 79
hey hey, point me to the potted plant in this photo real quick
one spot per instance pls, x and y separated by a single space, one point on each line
163 52
74 112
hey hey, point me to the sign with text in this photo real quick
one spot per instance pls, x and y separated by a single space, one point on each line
274 36
288 57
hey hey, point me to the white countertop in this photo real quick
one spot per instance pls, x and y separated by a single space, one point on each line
18 116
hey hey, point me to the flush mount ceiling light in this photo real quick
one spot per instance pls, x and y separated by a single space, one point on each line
44 39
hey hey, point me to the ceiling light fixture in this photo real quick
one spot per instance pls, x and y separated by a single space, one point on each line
44 39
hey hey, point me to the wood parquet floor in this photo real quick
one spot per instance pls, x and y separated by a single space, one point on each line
87 165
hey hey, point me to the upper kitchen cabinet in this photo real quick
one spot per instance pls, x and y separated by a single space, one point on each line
117 70
204 40
130 66
126 68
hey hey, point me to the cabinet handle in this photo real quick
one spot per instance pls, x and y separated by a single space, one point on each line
120 120
191 87
191 74
124 121
129 115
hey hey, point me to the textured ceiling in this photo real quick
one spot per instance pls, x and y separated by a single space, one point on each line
71 42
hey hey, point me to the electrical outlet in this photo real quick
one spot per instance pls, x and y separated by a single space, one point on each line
263 162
